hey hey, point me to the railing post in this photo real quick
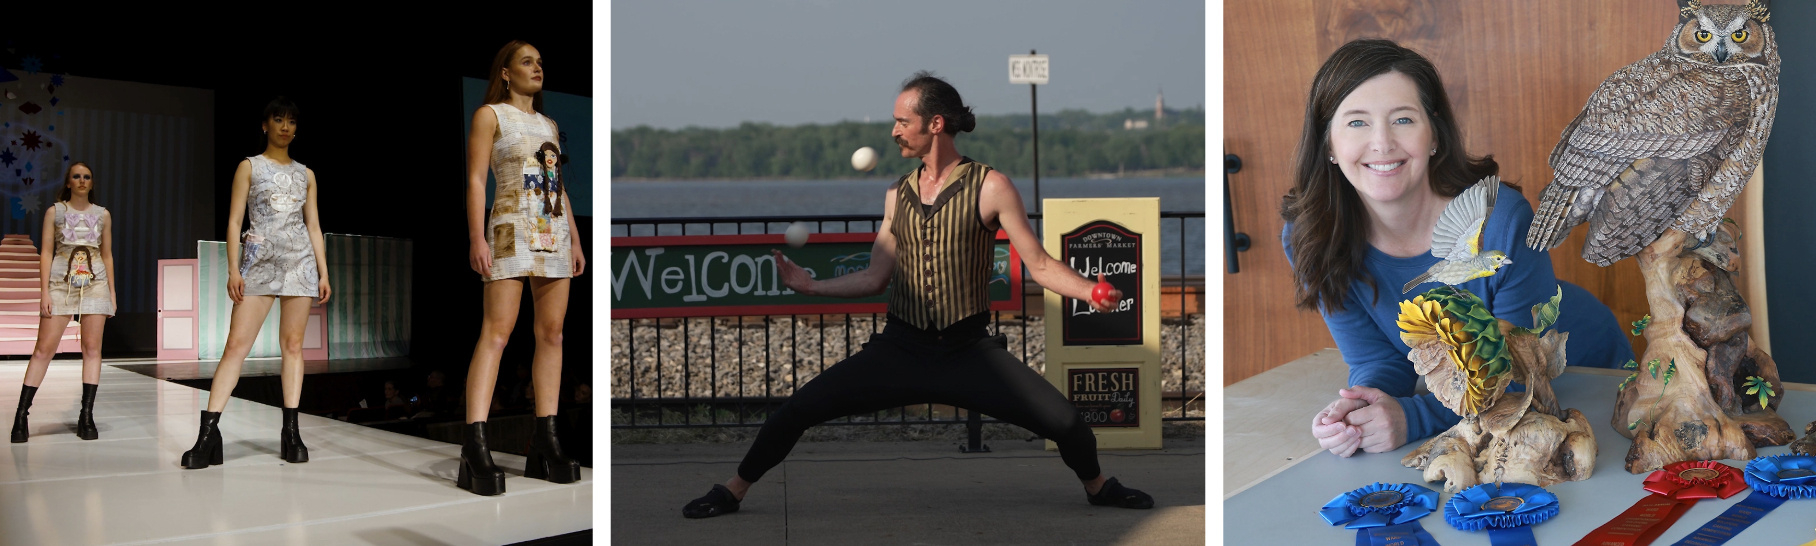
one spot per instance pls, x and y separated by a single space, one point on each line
974 435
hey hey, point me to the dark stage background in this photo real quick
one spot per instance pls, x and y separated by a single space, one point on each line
381 126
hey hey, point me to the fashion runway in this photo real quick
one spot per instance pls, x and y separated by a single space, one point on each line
360 486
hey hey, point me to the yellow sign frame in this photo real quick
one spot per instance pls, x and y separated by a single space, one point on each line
1142 216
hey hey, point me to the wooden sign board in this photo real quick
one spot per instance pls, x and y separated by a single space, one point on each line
1108 364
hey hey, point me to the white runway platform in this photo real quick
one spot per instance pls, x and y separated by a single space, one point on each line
360 486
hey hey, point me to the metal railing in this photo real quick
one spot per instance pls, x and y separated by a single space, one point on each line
644 394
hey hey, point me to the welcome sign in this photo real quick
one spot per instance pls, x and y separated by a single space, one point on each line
735 275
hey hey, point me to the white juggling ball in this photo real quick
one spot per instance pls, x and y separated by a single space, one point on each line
864 159
796 234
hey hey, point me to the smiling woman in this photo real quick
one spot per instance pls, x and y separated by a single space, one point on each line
1379 159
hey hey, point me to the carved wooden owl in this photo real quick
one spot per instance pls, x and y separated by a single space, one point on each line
1669 141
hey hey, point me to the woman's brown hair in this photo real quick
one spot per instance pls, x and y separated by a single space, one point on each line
496 90
1329 235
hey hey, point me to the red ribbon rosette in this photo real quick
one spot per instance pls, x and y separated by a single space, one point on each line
1674 489
1696 480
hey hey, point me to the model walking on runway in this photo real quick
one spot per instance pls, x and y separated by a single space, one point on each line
75 265
528 238
279 260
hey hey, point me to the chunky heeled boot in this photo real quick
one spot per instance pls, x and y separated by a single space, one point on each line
546 462
85 423
21 429
477 473
291 439
207 450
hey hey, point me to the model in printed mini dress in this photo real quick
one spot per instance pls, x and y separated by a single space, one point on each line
280 261
529 238
75 268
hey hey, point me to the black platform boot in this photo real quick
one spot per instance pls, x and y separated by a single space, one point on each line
207 450
477 473
546 461
21 429
291 439
85 423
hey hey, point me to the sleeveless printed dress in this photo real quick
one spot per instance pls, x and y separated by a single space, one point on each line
276 257
78 276
528 229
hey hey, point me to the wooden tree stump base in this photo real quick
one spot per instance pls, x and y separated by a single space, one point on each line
1687 400
1521 437
1807 445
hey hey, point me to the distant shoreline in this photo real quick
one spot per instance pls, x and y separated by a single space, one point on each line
1151 173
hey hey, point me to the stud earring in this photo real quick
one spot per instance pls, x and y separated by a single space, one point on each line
1333 159
1434 151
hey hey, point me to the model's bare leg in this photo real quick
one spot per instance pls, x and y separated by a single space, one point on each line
92 327
50 333
293 320
243 328
546 460
545 370
248 316
502 297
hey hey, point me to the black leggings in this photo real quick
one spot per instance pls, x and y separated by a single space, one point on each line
961 366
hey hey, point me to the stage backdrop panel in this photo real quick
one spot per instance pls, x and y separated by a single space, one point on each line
367 315
150 147
573 114
369 312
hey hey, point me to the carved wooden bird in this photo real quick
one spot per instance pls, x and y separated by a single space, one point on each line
1458 239
1669 141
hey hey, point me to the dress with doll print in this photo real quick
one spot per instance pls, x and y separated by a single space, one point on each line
528 230
276 257
78 276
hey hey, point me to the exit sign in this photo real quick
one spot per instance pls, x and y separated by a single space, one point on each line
1030 69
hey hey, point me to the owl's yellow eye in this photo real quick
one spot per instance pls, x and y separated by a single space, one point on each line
1740 36
1703 36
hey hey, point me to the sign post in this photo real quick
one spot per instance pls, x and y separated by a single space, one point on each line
1108 364
1031 69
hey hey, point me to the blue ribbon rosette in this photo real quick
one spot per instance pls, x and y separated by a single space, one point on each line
1774 480
1507 511
1383 513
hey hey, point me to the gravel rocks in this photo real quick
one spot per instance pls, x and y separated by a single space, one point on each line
758 357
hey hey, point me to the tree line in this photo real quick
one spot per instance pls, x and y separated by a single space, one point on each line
1072 143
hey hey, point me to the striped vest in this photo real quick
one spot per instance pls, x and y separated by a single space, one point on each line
943 253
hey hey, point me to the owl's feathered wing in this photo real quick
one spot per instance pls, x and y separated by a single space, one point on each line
1656 138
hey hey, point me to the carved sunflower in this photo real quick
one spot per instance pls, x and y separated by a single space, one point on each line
1454 323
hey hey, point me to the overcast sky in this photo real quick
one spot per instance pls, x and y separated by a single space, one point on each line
718 63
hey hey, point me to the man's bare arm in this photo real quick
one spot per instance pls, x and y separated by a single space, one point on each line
1001 202
869 282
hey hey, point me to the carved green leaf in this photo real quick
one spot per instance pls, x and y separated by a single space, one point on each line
1670 372
1639 326
1456 308
1627 381
1652 368
1757 385
1630 365
1545 314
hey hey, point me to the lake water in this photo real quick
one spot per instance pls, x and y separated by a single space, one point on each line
732 198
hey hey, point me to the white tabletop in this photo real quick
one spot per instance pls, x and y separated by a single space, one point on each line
1271 496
